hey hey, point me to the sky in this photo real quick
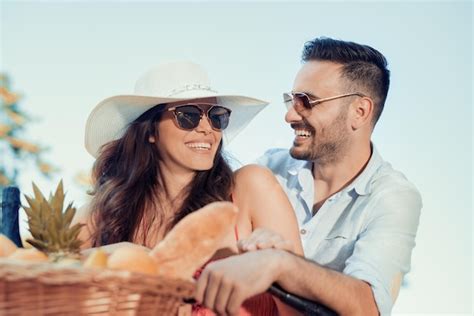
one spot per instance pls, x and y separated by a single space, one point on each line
64 57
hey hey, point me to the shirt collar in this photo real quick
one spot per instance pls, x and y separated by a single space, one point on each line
296 165
301 173
362 184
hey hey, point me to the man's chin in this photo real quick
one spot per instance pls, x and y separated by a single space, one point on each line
299 154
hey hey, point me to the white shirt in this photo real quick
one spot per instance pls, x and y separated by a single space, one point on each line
367 230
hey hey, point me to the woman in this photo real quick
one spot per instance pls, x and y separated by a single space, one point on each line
159 158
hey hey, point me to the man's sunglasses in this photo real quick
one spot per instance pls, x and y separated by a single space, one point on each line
303 102
188 116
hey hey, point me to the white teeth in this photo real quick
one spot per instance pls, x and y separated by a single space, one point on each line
199 145
302 132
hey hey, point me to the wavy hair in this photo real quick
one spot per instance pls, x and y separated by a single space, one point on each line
128 182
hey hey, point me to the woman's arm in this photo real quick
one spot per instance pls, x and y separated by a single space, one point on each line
263 204
266 216
83 217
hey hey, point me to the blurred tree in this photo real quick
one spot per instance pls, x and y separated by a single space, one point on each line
84 180
15 150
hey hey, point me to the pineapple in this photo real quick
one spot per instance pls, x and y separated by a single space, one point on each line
50 226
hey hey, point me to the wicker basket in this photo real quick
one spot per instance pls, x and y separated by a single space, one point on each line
48 289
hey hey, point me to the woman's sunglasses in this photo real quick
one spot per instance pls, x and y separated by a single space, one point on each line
188 116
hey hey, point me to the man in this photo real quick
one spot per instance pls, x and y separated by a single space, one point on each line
357 216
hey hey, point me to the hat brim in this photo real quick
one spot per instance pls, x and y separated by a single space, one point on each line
109 120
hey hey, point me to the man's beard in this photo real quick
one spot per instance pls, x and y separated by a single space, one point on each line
332 145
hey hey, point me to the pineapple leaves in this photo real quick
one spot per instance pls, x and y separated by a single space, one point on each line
69 214
38 244
49 226
38 195
57 200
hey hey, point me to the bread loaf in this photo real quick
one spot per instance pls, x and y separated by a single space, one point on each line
193 241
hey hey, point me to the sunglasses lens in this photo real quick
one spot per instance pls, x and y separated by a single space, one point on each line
288 100
188 116
219 117
299 101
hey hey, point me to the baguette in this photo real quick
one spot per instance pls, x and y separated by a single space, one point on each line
193 240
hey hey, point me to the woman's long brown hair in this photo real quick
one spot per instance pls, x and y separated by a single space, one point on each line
128 180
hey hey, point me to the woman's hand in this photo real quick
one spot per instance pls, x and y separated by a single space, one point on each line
263 238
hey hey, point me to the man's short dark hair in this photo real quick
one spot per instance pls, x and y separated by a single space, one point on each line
364 67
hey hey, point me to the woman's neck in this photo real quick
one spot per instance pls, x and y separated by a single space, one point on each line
175 180
170 198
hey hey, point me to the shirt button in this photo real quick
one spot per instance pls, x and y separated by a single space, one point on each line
303 231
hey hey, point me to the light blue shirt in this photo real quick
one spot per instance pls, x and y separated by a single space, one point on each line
367 230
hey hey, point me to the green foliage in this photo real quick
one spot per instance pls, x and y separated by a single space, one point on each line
15 150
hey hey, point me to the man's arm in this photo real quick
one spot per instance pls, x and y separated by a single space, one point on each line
368 285
225 284
342 293
382 253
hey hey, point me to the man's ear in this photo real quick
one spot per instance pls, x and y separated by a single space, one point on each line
362 112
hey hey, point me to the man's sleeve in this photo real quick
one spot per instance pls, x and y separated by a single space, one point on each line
382 253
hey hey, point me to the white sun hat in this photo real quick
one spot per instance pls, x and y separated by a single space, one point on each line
163 84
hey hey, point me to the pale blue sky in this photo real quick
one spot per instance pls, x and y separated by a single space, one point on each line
67 56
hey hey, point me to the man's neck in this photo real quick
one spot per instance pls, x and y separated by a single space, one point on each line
331 178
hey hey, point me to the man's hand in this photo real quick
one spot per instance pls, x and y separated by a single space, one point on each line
225 284
263 238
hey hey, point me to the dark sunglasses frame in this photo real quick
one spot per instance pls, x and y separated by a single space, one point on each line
308 103
210 107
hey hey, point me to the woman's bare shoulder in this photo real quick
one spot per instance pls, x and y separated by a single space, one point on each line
82 214
250 173
254 181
